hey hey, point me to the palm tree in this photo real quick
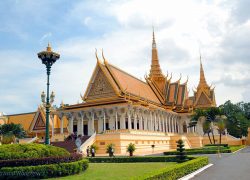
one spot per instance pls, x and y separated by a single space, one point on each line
207 129
221 125
211 114
131 149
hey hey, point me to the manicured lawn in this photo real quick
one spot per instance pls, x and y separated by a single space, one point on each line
102 171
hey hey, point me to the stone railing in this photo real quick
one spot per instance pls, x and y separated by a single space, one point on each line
133 131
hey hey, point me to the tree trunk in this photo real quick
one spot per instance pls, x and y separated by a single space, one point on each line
208 134
212 131
220 137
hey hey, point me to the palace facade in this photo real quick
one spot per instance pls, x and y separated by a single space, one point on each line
119 108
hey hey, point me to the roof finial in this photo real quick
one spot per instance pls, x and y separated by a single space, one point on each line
103 57
96 56
154 43
49 49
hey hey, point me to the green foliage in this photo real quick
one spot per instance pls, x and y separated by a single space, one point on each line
44 171
8 138
213 145
110 149
134 159
94 146
177 171
181 151
131 149
18 151
238 118
12 129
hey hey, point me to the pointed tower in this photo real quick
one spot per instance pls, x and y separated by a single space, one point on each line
155 71
155 74
204 96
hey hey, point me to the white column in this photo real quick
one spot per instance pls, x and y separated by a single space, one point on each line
166 122
71 118
104 121
129 120
100 124
151 122
174 120
122 122
163 123
61 131
170 123
93 123
112 123
155 124
140 123
160 123
116 120
145 119
135 121
79 127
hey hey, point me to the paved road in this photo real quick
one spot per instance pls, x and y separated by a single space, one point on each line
234 166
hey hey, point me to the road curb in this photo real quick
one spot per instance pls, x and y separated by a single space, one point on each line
239 150
191 175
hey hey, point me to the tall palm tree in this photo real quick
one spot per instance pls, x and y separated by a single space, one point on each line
211 115
207 129
221 125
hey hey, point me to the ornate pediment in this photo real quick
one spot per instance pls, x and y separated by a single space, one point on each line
40 123
99 87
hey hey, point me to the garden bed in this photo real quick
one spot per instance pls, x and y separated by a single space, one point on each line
29 161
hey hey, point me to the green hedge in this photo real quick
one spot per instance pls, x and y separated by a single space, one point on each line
199 151
177 171
33 150
44 171
134 159
224 145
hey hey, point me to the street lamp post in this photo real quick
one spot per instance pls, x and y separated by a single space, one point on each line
48 58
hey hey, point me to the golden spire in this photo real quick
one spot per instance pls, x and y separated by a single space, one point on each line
49 49
203 82
155 70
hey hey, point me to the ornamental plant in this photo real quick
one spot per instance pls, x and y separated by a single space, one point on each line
131 149
110 150
181 151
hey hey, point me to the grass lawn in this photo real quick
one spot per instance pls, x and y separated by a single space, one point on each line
119 171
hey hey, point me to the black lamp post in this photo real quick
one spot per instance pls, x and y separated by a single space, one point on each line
48 58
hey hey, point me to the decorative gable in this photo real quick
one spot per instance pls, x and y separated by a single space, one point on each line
99 87
203 100
40 123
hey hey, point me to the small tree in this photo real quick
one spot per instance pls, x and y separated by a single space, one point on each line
10 131
110 150
181 151
221 125
131 148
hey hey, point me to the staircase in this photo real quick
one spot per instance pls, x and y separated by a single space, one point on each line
69 145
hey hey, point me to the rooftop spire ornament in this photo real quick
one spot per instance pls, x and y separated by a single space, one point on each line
48 58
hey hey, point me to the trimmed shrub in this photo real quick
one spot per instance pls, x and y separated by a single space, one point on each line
39 161
177 171
181 151
44 171
134 159
33 150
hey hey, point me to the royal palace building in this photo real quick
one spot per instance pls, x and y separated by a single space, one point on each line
119 108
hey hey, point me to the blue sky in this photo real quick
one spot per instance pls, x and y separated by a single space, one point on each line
219 29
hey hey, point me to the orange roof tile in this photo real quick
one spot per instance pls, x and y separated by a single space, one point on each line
24 119
132 85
